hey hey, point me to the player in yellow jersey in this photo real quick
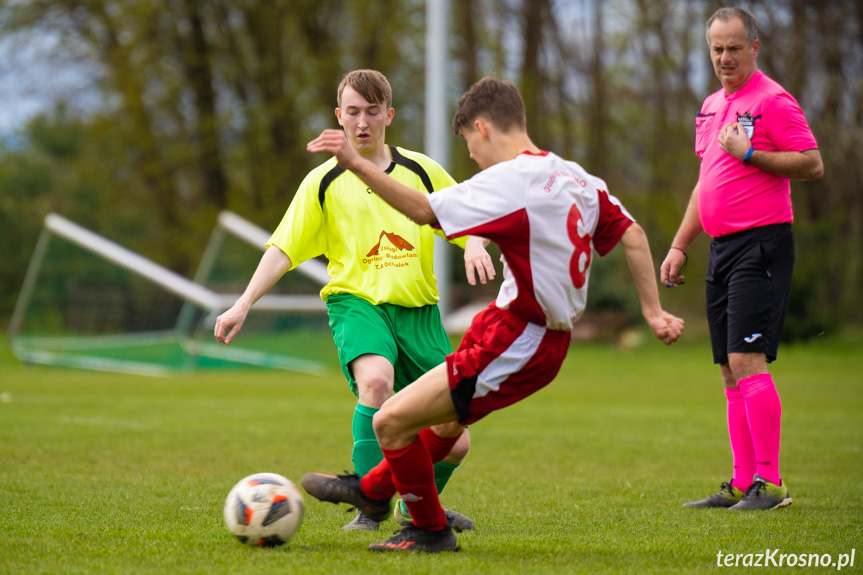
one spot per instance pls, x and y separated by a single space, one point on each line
382 295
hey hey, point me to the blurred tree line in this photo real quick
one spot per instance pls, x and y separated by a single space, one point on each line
207 105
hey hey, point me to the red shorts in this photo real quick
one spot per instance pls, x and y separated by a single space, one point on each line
500 361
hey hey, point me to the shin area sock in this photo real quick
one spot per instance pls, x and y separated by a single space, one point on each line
438 448
442 473
366 452
413 476
378 482
742 452
764 413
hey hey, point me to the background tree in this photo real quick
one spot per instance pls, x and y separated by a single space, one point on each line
207 104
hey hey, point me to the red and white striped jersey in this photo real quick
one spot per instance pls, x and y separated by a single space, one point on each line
545 213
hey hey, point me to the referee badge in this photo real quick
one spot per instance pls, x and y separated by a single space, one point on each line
748 123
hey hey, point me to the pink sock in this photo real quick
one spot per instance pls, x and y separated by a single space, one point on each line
413 475
742 452
764 413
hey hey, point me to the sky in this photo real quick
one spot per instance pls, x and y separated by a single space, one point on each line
35 72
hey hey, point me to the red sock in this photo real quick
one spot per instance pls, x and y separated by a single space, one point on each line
413 475
742 452
764 413
378 482
437 446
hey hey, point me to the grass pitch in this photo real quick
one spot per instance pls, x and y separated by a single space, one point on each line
104 473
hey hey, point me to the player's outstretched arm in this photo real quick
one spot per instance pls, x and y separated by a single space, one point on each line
405 199
477 261
272 266
666 327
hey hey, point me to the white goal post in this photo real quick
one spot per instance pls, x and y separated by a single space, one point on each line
56 349
170 280
90 302
256 237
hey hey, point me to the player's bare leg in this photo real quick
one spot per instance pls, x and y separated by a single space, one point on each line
424 407
408 466
375 377
425 403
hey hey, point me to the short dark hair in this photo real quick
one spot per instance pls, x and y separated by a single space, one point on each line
370 84
750 22
496 100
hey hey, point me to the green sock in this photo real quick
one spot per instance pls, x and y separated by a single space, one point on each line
367 452
442 472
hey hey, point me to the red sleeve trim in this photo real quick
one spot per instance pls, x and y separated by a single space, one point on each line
613 222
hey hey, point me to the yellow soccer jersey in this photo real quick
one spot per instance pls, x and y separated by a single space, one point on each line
374 251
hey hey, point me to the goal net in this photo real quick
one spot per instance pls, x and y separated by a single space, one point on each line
287 328
89 302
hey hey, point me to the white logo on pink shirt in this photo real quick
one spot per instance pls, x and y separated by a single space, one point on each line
748 123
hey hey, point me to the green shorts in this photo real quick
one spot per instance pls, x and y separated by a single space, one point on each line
411 338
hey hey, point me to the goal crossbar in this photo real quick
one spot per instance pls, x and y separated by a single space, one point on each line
62 350
168 279
258 237
133 262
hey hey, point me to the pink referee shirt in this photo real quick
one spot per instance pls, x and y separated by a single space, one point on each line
734 196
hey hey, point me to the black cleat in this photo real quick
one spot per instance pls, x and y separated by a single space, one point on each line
362 523
413 539
454 519
763 494
345 489
727 496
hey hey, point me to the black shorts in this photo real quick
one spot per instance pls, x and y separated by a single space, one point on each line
748 285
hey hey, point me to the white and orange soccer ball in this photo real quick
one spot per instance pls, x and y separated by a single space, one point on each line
264 510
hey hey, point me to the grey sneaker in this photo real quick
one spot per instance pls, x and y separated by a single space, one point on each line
457 521
728 496
345 489
413 539
362 523
454 519
764 495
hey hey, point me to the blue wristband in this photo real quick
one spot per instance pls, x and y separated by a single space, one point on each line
748 154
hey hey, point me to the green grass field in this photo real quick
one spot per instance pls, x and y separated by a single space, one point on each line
103 473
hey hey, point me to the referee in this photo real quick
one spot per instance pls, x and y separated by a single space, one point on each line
752 138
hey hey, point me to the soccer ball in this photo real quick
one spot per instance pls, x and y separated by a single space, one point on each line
264 510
